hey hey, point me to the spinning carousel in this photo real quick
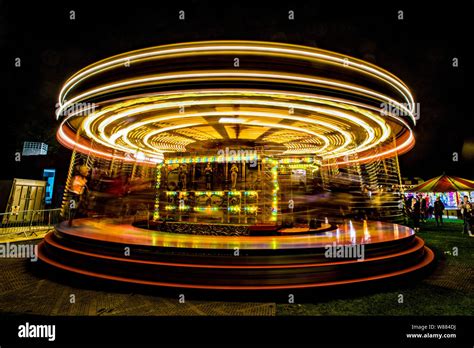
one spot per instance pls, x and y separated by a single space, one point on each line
225 152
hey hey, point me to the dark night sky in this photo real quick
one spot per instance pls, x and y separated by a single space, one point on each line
418 49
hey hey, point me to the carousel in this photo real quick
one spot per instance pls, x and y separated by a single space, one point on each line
234 165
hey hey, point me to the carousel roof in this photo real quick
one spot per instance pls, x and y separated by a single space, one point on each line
445 183
192 97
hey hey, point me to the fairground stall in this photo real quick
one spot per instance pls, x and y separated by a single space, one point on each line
450 190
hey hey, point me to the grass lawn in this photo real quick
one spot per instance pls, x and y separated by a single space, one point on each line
448 290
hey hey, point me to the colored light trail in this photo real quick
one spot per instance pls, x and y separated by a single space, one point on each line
145 115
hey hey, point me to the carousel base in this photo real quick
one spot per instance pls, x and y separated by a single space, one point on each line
109 250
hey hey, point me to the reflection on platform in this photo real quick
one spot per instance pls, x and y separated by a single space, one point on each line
109 230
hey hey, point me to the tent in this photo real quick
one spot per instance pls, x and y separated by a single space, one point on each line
444 183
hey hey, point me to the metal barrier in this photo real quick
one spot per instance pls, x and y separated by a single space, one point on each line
28 222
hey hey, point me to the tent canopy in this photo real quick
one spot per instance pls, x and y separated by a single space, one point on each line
444 183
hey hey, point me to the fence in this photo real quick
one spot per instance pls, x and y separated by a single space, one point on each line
28 222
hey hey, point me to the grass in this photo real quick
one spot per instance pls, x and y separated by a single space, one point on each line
445 238
448 290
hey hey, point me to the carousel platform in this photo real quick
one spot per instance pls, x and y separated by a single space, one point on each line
353 252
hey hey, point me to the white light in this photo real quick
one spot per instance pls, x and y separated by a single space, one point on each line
231 120
140 156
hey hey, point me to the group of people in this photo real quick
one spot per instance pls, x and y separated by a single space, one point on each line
419 209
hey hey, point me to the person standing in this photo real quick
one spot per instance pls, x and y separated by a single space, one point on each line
438 211
423 209
76 190
416 214
466 213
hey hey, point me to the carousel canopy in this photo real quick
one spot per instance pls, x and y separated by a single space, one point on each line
202 96
445 183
